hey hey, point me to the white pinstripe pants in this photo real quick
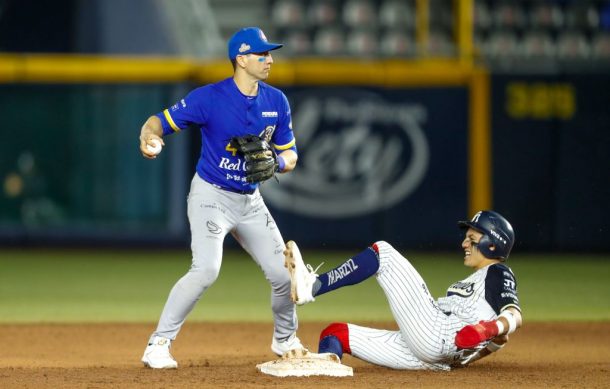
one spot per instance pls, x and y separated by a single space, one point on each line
426 336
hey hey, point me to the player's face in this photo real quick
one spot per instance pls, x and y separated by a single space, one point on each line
259 64
473 258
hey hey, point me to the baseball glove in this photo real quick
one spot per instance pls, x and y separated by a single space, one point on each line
261 159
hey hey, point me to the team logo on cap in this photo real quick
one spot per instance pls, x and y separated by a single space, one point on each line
262 34
244 47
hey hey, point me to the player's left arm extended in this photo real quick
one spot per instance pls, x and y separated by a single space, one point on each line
472 335
290 158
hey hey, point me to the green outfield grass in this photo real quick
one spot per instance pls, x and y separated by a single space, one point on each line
117 286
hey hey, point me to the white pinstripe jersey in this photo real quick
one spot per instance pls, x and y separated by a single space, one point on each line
483 295
427 327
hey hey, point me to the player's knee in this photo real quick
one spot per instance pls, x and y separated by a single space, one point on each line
206 273
335 339
279 279
380 244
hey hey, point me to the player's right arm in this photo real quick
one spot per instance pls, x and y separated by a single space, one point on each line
189 110
152 129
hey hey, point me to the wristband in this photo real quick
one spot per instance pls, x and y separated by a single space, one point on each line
281 164
500 326
512 323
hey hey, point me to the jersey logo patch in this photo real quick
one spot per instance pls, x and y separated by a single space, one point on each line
213 227
267 133
271 114
462 289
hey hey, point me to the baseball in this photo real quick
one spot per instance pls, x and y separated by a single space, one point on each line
154 146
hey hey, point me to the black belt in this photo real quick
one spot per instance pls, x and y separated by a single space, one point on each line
247 192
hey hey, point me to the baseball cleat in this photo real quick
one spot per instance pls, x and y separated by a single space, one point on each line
293 343
302 277
157 356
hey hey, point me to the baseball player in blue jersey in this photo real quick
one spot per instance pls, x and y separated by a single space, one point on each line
472 321
224 196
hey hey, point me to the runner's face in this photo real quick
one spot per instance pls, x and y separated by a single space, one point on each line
473 258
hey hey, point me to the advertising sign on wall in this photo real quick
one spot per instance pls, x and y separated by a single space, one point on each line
374 164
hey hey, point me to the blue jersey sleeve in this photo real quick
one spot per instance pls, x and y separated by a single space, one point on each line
283 137
189 110
501 288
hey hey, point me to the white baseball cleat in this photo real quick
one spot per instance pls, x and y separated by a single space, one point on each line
302 277
157 356
292 343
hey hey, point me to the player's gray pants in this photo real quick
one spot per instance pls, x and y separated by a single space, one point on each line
426 336
212 214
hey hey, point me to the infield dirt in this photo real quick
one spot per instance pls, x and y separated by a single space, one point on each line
215 355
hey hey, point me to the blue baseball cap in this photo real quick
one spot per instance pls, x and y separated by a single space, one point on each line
250 40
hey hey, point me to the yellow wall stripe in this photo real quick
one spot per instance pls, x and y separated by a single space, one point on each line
422 25
40 68
464 28
479 144
171 121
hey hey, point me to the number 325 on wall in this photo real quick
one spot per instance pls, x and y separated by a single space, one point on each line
540 100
